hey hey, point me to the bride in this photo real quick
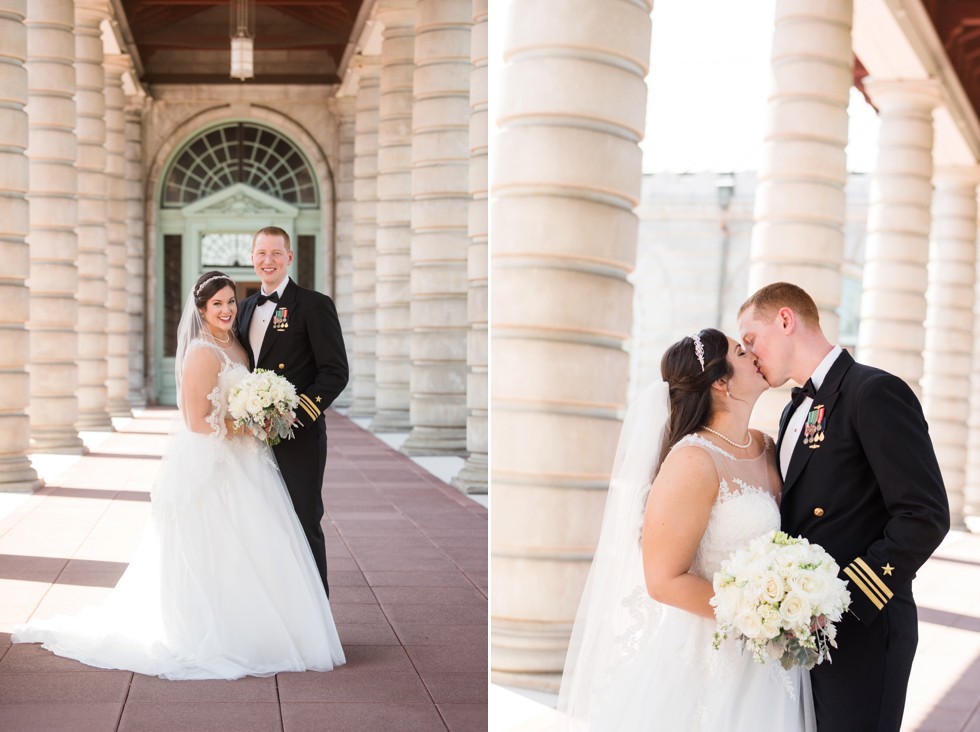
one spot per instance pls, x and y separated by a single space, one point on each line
223 584
641 653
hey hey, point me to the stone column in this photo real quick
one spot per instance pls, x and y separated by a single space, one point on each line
800 185
949 325
800 194
343 107
16 473
136 252
93 269
566 176
893 303
116 231
440 240
971 490
473 477
53 215
365 230
394 263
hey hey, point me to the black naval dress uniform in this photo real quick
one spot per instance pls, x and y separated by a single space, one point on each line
303 343
864 483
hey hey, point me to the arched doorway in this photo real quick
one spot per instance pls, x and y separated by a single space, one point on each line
220 187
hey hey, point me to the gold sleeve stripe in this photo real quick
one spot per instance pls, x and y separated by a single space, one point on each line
875 578
864 588
307 410
308 403
859 570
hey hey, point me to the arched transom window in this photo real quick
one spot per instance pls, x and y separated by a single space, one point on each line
240 153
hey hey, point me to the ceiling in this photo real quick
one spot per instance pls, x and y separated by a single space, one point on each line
188 41
957 23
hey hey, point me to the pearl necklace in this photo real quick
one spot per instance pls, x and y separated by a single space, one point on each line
730 442
226 340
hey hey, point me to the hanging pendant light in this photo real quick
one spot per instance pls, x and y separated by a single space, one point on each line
242 35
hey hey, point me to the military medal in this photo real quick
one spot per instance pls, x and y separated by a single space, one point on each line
280 321
813 433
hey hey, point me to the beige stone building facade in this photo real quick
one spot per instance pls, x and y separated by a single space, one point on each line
130 163
890 258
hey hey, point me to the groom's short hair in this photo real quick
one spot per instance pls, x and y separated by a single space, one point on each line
771 298
272 231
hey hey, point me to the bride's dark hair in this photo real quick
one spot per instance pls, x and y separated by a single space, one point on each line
691 404
208 284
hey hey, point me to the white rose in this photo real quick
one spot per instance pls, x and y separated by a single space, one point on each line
815 587
771 629
726 603
772 587
748 624
794 609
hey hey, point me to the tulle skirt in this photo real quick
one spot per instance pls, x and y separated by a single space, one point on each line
223 584
679 683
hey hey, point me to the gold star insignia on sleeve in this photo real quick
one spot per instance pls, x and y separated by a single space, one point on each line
318 400
887 569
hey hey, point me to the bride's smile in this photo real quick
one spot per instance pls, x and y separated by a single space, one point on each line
219 313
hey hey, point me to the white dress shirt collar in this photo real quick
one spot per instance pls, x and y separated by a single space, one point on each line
820 373
279 290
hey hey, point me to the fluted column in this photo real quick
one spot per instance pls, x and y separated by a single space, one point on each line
440 240
343 107
566 176
949 325
893 303
136 252
800 194
53 214
473 477
117 302
394 263
93 268
365 231
16 473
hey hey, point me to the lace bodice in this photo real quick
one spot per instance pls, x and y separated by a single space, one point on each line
230 374
202 357
745 507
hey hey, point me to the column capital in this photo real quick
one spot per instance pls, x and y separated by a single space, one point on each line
892 94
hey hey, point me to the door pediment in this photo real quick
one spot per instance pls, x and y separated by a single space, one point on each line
239 200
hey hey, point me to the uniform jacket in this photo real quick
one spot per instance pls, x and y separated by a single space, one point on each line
304 344
869 489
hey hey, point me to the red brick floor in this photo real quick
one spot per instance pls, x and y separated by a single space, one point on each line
407 558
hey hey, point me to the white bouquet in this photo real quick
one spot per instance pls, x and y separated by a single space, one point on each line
265 403
780 597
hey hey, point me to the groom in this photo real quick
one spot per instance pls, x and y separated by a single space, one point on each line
295 333
860 478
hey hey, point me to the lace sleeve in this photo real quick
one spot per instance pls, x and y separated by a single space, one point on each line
202 409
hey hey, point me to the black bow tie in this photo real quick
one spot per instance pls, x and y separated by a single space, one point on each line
799 393
263 299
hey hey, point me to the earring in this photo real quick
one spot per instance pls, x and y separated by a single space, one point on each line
728 392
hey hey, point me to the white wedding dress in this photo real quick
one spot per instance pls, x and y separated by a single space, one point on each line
675 680
223 584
